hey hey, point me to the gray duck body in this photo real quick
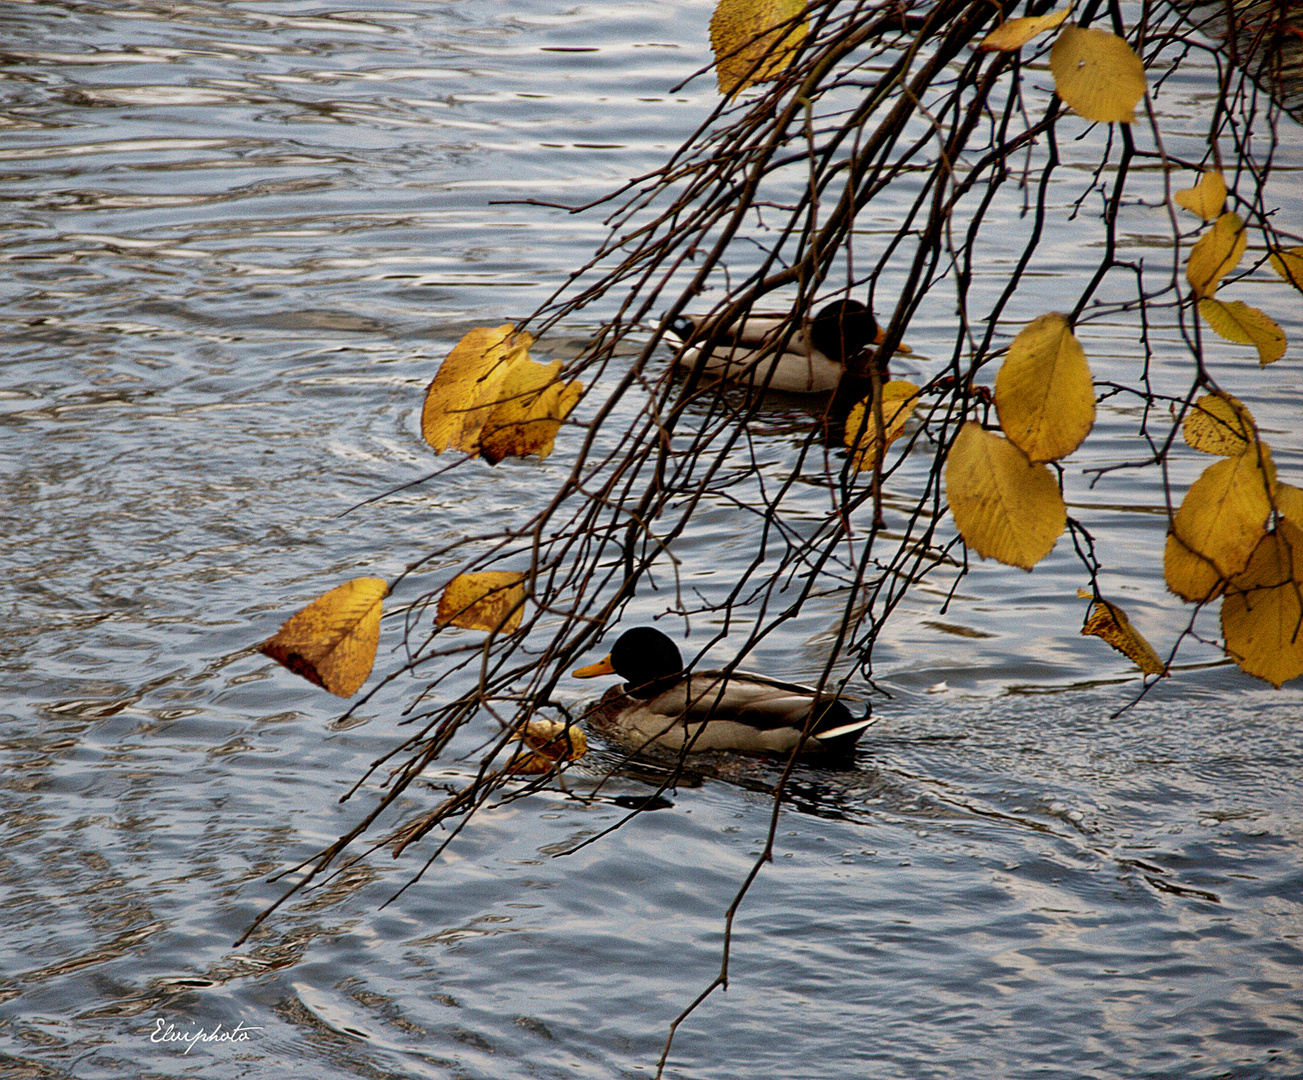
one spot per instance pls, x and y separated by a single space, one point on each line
661 708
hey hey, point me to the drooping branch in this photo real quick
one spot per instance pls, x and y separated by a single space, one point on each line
768 199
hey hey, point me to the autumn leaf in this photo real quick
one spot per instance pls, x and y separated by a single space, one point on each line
1097 74
1288 263
1012 34
899 397
532 402
1218 524
1006 507
1219 424
1289 502
489 600
1262 619
754 40
332 642
465 390
1216 254
1245 325
551 742
523 763
490 398
1207 198
1107 620
1043 392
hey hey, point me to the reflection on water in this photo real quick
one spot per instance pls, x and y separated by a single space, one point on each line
237 240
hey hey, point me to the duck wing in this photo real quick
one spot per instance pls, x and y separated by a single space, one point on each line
741 711
745 711
745 354
755 330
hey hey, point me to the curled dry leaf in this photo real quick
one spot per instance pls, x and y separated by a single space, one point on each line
555 739
532 402
1245 325
1043 392
490 398
899 397
489 600
1218 524
1006 507
1012 34
332 642
465 390
1288 263
1216 254
1262 618
524 763
1098 74
754 40
1207 198
551 742
1219 424
1107 620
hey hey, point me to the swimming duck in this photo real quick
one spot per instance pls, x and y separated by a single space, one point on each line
660 706
814 361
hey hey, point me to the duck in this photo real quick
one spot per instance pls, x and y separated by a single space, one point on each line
660 707
817 355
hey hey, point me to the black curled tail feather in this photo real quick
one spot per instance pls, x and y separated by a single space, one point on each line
837 730
682 328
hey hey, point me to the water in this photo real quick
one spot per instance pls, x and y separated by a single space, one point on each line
237 241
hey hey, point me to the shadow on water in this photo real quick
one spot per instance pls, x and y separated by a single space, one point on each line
1267 41
862 792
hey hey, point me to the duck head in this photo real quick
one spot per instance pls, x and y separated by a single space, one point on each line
646 659
844 329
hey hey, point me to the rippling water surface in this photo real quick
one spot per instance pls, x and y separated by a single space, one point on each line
236 241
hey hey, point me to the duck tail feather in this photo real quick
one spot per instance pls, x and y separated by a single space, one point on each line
682 328
853 728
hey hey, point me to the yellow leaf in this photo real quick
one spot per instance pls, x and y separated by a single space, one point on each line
1246 325
1006 508
555 738
464 391
1289 501
1097 74
1218 524
488 600
1207 198
1012 34
1261 613
1188 575
1288 263
551 742
1216 254
754 40
1108 621
532 402
899 397
1043 392
1219 424
525 763
332 642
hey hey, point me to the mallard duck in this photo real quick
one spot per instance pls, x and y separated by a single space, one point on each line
660 706
816 357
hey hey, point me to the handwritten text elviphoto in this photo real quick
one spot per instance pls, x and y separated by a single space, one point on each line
165 1032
